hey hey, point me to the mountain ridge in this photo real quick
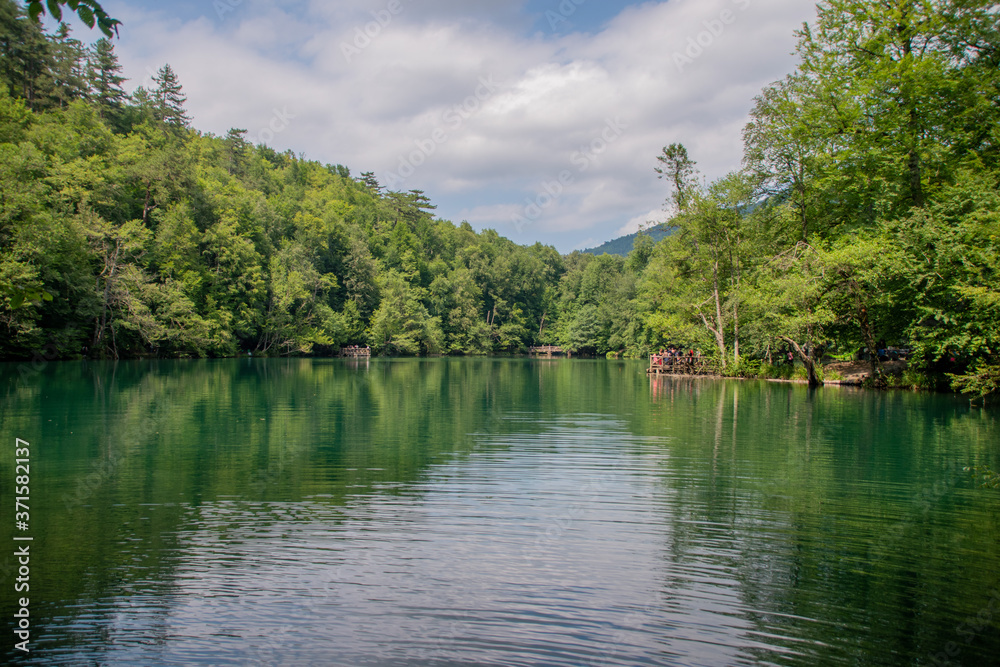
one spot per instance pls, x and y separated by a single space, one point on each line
623 245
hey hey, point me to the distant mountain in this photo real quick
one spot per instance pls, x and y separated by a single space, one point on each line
623 245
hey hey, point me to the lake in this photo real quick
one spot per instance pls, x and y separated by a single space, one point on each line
495 512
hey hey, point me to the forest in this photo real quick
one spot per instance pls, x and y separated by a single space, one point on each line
866 215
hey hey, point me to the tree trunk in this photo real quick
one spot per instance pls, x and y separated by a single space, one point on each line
913 162
720 328
913 123
878 372
808 361
111 265
736 333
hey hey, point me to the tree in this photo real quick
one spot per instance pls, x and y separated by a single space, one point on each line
708 250
237 150
69 79
168 101
947 277
862 288
784 150
786 300
679 170
402 323
889 85
27 62
297 314
369 180
105 79
118 249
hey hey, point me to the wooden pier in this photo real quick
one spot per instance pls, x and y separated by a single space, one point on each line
355 352
666 364
547 351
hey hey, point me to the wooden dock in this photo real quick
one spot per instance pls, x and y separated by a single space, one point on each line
547 351
355 352
665 364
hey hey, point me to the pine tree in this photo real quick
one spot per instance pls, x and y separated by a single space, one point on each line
168 102
68 68
237 149
369 181
26 60
105 79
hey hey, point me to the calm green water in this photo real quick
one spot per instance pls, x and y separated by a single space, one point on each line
499 512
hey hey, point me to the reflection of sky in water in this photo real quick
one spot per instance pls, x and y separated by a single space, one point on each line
298 512
542 548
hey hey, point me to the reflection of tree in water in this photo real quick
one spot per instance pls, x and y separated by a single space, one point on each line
772 497
781 525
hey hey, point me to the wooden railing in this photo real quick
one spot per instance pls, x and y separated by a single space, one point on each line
666 364
548 350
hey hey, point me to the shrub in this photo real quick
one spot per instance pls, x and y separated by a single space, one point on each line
745 368
775 371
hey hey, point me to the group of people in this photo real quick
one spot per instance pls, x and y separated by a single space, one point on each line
672 354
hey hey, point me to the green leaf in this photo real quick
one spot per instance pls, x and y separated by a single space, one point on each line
86 16
108 26
35 10
54 9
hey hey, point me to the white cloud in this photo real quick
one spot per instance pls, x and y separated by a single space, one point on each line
553 96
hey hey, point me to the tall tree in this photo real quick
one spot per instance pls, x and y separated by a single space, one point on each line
897 71
679 170
26 64
104 74
786 300
237 149
68 68
168 100
784 150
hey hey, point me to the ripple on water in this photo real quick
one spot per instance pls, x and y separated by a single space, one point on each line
556 541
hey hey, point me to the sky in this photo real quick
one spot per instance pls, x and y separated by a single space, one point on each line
541 119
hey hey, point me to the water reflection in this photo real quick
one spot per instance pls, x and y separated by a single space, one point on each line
498 512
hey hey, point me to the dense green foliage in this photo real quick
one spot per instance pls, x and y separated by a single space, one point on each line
866 216
125 232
